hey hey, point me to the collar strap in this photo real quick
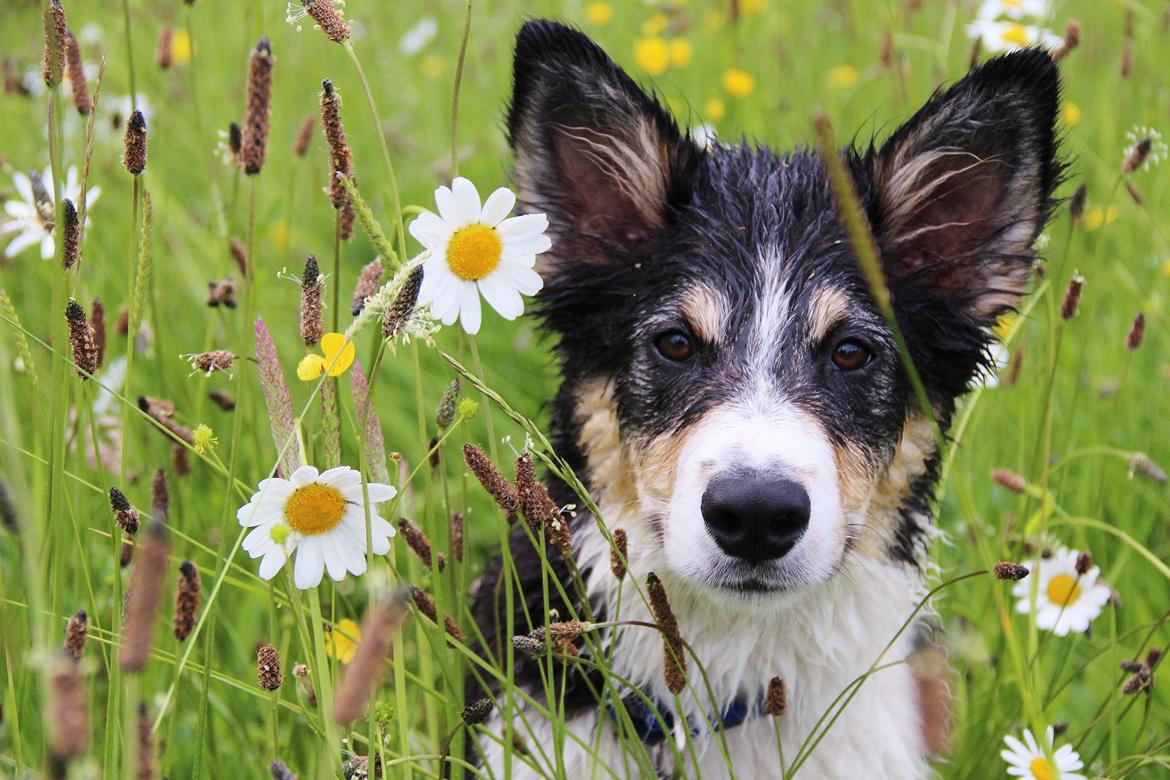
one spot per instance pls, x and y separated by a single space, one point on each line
652 724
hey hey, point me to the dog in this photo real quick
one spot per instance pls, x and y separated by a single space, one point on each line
736 401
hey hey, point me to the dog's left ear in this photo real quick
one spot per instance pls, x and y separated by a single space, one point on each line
962 190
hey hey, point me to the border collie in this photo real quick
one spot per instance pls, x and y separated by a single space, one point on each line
735 401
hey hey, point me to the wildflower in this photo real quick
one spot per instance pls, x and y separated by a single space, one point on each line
652 55
1066 599
418 37
186 600
164 48
82 340
342 641
842 76
619 554
476 249
204 439
738 82
134 144
1072 297
598 13
1014 9
776 700
207 363
32 213
254 141
312 285
268 672
368 282
1071 114
361 678
1098 217
1145 149
673 658
997 36
655 24
181 47
76 635
1028 759
321 517
714 110
338 353
143 596
681 51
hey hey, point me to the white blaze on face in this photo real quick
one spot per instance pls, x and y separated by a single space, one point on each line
774 439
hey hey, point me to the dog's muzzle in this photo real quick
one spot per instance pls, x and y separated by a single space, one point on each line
755 516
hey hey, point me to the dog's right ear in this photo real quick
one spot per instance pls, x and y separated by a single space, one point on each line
593 150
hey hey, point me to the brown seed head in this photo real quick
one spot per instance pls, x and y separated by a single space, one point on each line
124 513
1143 464
367 284
122 324
1137 682
10 521
1072 39
160 496
305 684
1136 155
346 218
1137 332
235 141
449 405
1126 59
254 143
312 318
619 554
303 137
1134 193
164 48
221 293
418 542
68 712
402 308
76 635
72 236
491 479
146 768
426 605
76 70
180 460
1153 657
1010 572
1072 297
529 645
126 554
361 677
56 35
210 362
161 412
134 144
81 340
240 255
674 660
187 600
97 323
340 156
222 399
143 596
1014 482
268 672
1084 563
1076 204
776 700
457 536
279 771
476 712
536 504
567 630
328 18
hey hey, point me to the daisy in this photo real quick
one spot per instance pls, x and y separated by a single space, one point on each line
319 517
1008 36
418 37
1014 9
474 250
1027 759
1065 599
32 214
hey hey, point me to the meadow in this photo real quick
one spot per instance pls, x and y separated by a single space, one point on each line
1065 450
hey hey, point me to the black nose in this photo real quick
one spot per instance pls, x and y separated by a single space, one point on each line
755 516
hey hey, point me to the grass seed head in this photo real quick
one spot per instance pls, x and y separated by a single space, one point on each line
493 481
254 142
76 70
1084 563
124 513
279 771
529 645
418 542
340 155
305 684
1010 480
619 554
312 317
1010 572
328 18
146 763
1076 204
97 324
1072 39
180 460
164 48
1137 332
536 504
368 282
240 255
674 660
1072 297
1136 154
364 672
1142 464
9 519
457 536
68 709
81 339
235 141
476 712
776 699
303 137
402 308
426 605
160 496
56 33
134 144
76 635
222 399
449 405
221 293
268 673
143 596
187 600
212 361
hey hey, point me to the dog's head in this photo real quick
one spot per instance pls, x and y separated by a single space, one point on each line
727 369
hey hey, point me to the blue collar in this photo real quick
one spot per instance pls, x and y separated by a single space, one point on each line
653 724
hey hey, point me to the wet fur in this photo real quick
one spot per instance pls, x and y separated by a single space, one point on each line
743 247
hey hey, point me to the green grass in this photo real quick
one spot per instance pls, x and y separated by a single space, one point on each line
1081 405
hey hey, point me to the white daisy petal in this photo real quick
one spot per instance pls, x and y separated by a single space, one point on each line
469 311
445 201
522 227
21 243
273 562
498 205
525 280
467 208
309 565
303 476
378 492
502 296
428 229
334 560
23 186
47 247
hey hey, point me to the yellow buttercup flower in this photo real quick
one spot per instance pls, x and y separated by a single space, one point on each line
714 109
279 234
1005 325
1071 114
205 438
681 51
598 13
433 66
655 24
1098 217
738 82
341 643
842 76
652 55
338 357
181 47
749 7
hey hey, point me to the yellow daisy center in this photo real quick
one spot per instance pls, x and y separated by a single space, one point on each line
1040 769
314 509
1063 590
474 251
1015 33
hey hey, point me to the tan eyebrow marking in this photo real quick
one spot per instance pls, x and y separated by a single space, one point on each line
706 311
829 306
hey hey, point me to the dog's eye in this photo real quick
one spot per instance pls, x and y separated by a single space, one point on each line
674 345
850 355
